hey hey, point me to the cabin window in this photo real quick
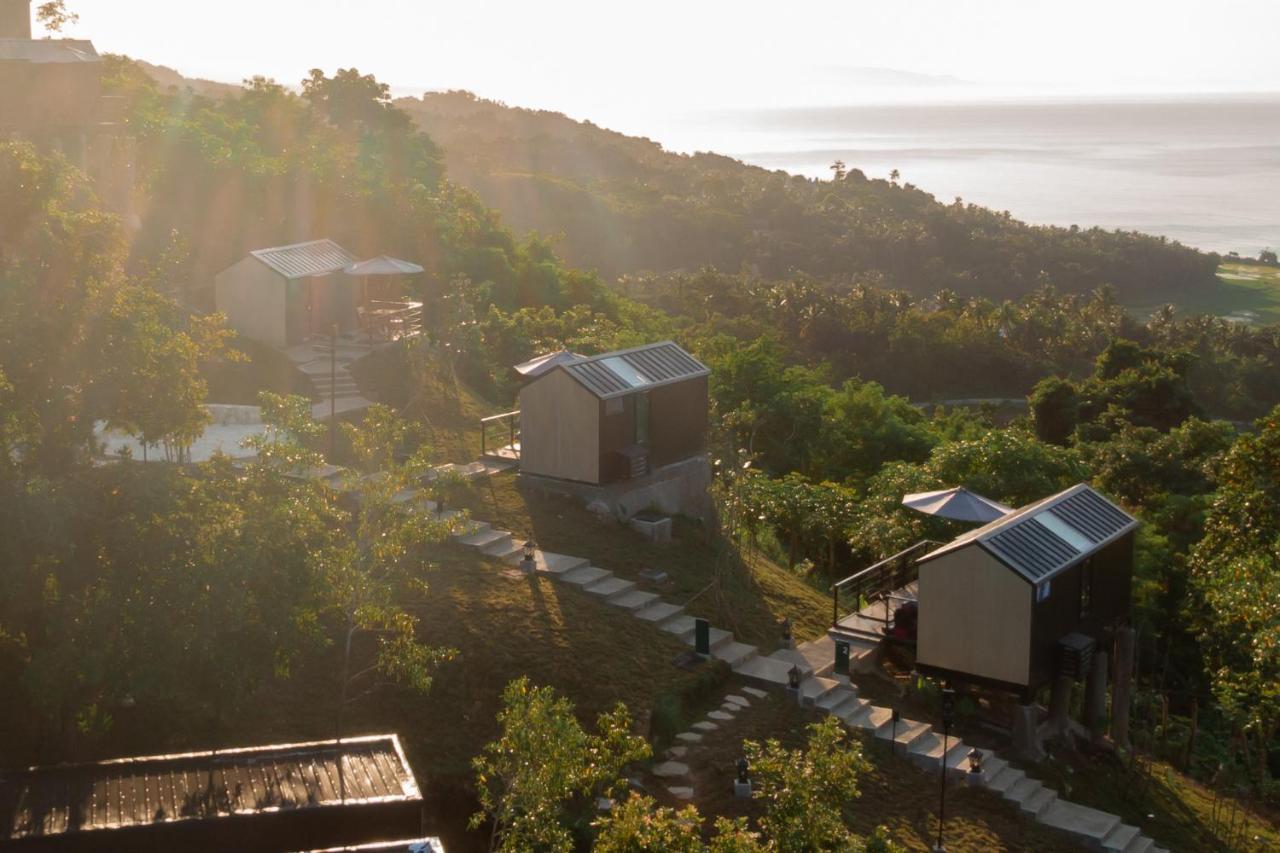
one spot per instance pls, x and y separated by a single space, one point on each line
614 406
1086 588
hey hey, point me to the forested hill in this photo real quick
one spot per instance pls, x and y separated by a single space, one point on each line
624 205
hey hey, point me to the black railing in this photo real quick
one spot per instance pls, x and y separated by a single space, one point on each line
499 427
878 582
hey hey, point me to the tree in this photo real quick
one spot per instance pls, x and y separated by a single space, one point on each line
1055 409
1267 256
893 176
54 16
804 790
545 769
838 170
1235 572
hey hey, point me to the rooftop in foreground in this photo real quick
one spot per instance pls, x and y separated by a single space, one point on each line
191 793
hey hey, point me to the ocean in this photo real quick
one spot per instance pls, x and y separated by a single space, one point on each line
1203 171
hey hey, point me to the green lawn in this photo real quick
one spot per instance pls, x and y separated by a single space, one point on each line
748 596
1244 292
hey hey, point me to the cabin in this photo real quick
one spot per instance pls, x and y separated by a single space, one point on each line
1028 597
615 417
252 800
284 295
51 95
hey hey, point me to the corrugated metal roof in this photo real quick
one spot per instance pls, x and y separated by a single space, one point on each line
1044 538
616 374
48 51
303 260
45 801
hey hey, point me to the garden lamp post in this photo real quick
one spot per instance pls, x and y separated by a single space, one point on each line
948 714
530 552
975 767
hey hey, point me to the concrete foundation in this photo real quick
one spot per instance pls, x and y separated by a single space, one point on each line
1026 737
676 489
1122 687
1095 694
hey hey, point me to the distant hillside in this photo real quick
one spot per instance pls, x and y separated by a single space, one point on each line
624 205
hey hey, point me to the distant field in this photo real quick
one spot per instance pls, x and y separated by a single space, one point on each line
1248 293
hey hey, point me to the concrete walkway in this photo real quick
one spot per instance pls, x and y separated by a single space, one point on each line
821 689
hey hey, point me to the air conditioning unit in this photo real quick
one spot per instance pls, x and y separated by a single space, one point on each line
1075 655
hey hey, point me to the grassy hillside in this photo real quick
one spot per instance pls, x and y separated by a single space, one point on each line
1245 293
622 204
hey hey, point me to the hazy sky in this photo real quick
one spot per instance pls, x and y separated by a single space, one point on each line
615 63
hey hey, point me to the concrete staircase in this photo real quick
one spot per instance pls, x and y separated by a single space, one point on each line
822 689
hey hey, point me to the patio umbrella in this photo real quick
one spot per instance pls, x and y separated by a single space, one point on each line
958 504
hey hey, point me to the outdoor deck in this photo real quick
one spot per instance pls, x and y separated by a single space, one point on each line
871 622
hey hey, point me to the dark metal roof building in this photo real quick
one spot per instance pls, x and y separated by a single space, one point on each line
616 374
305 795
1047 537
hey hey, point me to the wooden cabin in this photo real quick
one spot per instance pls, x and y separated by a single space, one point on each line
614 417
1027 597
258 799
284 295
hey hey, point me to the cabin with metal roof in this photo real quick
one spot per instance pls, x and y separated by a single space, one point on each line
614 417
1023 599
302 796
281 296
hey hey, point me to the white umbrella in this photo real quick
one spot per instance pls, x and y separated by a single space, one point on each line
383 265
958 504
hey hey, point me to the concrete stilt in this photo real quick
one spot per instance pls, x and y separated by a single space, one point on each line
1060 704
1123 685
1095 694
1026 737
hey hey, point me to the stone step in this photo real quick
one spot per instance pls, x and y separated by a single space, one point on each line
634 600
851 708
1141 844
870 717
1041 801
815 687
1091 824
1119 838
765 669
734 654
504 550
484 538
796 657
927 750
658 611
469 528
836 698
548 563
904 733
585 575
678 624
670 769
1023 790
1005 779
609 587
680 792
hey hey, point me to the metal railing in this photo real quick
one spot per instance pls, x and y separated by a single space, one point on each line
494 426
878 582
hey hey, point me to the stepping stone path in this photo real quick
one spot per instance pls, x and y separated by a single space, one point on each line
820 688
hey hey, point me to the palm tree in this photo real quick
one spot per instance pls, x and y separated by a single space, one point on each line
893 177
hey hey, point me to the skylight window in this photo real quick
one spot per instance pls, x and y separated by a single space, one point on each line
1064 531
626 372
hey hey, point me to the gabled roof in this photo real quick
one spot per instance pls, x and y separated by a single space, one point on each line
48 51
1042 539
202 786
303 260
616 374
